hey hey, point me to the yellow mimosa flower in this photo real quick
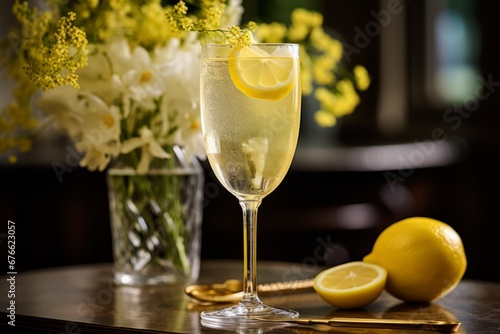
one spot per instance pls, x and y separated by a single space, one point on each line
325 119
362 77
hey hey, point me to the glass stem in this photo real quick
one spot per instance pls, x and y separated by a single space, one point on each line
250 208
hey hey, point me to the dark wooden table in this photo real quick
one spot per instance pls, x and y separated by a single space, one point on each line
82 299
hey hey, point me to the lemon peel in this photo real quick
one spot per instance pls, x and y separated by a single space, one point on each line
424 258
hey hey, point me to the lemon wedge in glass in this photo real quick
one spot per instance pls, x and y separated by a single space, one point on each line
260 75
351 285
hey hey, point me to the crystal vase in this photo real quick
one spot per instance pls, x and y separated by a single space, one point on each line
156 220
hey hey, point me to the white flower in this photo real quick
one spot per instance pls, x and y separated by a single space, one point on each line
232 14
93 124
96 76
139 76
94 159
62 106
182 94
100 137
118 51
189 131
149 148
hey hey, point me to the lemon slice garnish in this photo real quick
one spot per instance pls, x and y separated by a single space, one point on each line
351 285
259 75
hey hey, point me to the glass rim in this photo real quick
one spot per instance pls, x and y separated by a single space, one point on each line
251 44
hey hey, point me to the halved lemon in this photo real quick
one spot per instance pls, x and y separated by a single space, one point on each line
351 285
259 75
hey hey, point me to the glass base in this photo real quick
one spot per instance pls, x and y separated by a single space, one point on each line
246 315
138 279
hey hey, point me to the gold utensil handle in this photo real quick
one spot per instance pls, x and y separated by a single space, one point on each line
423 325
290 286
426 325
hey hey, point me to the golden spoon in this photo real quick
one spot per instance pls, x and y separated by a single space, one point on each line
231 290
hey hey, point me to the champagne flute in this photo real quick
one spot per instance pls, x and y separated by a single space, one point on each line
250 114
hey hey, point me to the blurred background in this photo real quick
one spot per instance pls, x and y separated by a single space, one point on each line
423 142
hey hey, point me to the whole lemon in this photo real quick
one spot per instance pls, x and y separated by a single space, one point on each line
424 258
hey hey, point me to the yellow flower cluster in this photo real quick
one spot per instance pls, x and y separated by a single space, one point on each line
152 30
43 59
209 18
208 23
335 104
177 18
50 60
334 87
18 116
142 22
211 14
51 45
362 77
